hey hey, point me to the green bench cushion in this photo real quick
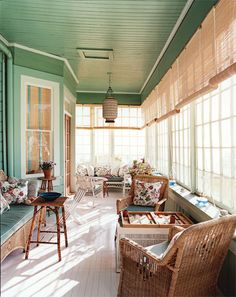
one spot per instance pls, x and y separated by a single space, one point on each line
133 207
115 179
14 219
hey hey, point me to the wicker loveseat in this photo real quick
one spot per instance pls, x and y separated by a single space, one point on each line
15 225
116 175
187 266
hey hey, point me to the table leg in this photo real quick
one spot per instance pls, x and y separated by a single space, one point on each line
43 185
50 186
58 234
64 225
39 224
105 189
31 232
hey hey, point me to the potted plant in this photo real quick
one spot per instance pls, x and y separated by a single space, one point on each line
47 167
140 168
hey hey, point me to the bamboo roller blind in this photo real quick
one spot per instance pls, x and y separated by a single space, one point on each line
208 59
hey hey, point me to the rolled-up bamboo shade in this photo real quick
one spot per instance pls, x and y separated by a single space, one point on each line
208 59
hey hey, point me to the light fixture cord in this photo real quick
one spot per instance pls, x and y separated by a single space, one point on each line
109 73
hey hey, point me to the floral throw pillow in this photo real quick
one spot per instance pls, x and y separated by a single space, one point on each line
3 176
82 170
102 171
15 193
147 194
3 204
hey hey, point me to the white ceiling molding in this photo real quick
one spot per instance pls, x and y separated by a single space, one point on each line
32 50
4 40
47 55
171 36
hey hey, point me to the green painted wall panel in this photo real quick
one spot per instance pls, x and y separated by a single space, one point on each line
38 62
69 81
1 110
181 38
98 98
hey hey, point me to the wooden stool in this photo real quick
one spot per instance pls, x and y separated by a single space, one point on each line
54 206
46 183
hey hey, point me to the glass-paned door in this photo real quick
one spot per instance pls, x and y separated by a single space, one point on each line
38 127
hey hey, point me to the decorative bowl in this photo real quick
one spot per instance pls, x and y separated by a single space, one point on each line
202 201
50 196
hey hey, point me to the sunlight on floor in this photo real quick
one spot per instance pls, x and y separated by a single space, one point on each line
87 268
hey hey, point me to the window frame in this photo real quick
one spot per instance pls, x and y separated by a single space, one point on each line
55 121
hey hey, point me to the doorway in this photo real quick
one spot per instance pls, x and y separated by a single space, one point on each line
67 154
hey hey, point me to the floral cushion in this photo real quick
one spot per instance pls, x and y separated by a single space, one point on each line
15 193
147 193
3 176
103 171
4 205
82 170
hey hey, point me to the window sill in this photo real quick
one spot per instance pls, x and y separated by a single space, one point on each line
188 202
211 211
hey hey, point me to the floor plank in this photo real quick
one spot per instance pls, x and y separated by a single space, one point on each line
87 268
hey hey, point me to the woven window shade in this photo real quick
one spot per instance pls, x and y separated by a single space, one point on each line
208 59
174 90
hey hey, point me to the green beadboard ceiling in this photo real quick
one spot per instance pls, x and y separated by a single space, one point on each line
136 32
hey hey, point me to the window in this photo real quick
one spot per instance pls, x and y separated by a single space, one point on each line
38 128
129 145
102 144
151 145
162 148
216 144
40 125
83 146
181 146
98 142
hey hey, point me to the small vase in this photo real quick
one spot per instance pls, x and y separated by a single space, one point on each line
47 173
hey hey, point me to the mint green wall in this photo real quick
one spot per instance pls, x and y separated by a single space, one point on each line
18 72
1 110
69 81
41 67
44 64
38 62
98 98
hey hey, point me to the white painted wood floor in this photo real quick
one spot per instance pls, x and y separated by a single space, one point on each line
87 268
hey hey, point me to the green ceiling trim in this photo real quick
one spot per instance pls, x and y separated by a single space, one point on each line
69 81
191 22
37 62
98 98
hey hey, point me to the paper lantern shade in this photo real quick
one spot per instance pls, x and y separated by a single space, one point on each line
109 109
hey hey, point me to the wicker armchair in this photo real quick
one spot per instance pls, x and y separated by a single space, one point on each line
127 202
190 267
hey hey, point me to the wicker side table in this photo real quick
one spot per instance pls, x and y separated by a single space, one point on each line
53 206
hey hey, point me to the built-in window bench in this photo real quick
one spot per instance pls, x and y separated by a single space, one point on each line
180 199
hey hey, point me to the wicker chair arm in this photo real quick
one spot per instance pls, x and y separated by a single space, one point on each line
159 204
123 203
174 230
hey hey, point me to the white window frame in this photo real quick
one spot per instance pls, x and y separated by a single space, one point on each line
55 121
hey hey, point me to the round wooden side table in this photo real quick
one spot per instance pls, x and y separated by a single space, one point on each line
47 184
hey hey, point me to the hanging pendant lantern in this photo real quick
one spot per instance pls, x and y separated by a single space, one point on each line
110 105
